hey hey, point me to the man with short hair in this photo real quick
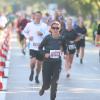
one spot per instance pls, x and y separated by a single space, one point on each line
35 32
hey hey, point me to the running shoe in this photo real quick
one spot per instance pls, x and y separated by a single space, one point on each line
31 76
36 79
68 75
23 52
81 61
77 55
41 92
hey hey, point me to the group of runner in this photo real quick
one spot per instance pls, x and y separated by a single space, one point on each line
50 39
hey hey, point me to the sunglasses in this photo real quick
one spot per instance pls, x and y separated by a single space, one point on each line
55 28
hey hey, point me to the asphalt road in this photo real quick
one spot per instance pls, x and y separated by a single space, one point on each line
84 83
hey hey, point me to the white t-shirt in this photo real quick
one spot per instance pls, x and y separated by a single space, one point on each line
3 21
31 29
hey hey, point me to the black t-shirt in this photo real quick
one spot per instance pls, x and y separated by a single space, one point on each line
69 35
50 43
69 40
53 46
81 31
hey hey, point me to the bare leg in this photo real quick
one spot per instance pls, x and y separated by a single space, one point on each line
32 66
38 69
69 60
81 54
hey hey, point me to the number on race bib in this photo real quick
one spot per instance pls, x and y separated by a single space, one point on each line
55 53
71 46
82 36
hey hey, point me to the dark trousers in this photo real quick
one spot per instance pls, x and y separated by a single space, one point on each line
50 72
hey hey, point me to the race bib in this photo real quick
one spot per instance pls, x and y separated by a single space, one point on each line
55 53
71 46
82 36
36 44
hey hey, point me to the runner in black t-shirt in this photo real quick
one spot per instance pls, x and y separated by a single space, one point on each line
70 37
81 30
52 45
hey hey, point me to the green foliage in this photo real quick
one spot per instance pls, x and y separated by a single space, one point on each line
73 7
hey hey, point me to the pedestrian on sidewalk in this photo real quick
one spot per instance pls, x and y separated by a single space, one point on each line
35 32
52 45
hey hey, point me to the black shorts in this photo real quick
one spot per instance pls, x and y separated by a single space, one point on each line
70 51
80 43
39 55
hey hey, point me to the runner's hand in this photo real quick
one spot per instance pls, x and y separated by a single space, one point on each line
47 55
39 33
64 56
